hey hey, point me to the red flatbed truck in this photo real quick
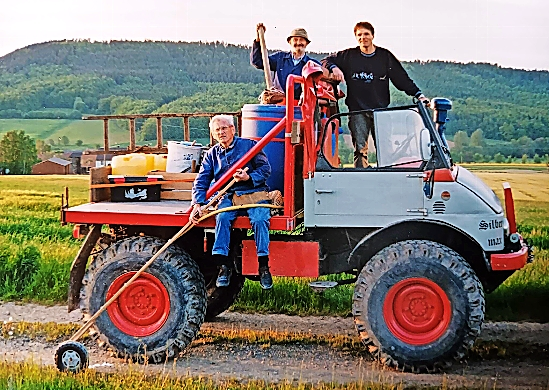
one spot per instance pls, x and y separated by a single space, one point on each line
423 238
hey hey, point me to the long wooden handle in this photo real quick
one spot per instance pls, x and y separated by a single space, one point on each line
265 56
183 230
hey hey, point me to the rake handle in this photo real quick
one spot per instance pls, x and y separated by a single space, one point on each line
188 226
265 57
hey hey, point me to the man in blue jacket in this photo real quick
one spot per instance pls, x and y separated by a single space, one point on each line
284 63
251 178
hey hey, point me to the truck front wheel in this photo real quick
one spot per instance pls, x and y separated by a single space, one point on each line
160 313
418 305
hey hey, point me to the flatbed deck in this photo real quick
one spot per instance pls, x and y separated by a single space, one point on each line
162 213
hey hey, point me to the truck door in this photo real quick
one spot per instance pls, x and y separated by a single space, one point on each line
388 191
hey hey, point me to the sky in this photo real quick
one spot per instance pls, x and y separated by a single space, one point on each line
510 33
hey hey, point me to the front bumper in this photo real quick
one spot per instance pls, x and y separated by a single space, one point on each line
511 261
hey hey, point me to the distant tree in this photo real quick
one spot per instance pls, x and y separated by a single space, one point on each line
79 142
477 138
50 141
65 140
524 158
79 105
18 152
460 141
499 158
42 146
537 158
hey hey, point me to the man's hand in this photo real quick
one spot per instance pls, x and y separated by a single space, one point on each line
196 213
241 174
337 74
259 27
422 98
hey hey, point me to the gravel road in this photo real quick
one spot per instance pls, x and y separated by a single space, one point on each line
297 362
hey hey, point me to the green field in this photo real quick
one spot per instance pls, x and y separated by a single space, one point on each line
90 132
36 252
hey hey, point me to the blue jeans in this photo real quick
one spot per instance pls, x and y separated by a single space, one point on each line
259 219
361 126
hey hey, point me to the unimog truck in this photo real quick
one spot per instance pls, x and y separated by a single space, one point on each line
422 239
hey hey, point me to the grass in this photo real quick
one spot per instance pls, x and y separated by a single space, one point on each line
36 252
90 132
30 376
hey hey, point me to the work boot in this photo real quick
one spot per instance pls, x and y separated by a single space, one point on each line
265 278
224 277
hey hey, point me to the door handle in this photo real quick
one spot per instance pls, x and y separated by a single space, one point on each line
421 175
324 191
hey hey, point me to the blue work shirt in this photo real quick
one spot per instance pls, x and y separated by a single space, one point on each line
217 162
282 64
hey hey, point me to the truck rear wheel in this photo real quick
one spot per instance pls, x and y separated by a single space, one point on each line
418 305
160 313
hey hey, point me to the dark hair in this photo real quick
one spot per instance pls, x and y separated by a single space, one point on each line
366 25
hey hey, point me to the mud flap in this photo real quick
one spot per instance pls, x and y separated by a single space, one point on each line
78 267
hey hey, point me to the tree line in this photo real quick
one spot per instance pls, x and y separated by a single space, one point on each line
66 79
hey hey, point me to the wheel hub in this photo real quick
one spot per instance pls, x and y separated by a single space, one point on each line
417 311
142 308
71 360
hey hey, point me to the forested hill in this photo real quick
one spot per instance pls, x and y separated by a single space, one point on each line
123 76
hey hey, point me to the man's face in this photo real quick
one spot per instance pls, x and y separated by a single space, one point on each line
364 37
298 46
223 133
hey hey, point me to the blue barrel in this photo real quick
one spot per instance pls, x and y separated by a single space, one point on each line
257 121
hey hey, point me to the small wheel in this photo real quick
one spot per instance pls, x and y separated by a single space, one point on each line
71 356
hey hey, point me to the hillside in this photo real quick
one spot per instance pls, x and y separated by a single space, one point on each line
63 80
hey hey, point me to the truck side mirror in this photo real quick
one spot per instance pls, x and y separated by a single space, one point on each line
425 144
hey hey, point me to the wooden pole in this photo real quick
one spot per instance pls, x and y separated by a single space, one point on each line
186 129
265 57
158 132
106 135
132 134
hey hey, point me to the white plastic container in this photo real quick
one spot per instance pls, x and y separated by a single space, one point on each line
181 156
133 164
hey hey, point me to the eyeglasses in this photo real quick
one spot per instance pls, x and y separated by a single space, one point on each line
222 129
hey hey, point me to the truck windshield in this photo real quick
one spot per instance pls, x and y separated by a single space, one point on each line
398 138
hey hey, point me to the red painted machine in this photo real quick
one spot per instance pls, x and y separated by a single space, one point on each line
424 238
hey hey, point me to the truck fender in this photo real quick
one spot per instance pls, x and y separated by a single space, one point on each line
78 267
424 229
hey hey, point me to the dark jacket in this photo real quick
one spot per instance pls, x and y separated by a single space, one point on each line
367 77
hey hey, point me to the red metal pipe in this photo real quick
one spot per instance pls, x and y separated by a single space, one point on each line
247 157
509 207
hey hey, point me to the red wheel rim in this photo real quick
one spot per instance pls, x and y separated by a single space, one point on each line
142 308
417 311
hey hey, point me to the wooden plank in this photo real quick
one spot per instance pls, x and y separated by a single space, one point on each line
176 195
100 176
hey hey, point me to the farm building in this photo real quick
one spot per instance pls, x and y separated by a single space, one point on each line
53 166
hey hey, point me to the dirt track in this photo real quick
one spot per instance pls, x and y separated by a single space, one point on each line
304 363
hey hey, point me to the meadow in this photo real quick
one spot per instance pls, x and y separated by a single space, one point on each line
36 252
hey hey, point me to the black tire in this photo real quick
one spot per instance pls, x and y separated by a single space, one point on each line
221 298
418 305
153 322
71 356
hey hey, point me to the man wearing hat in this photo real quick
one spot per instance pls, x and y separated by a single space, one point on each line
284 63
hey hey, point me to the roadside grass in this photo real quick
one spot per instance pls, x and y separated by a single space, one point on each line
36 252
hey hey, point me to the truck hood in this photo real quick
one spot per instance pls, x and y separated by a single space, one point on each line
479 188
